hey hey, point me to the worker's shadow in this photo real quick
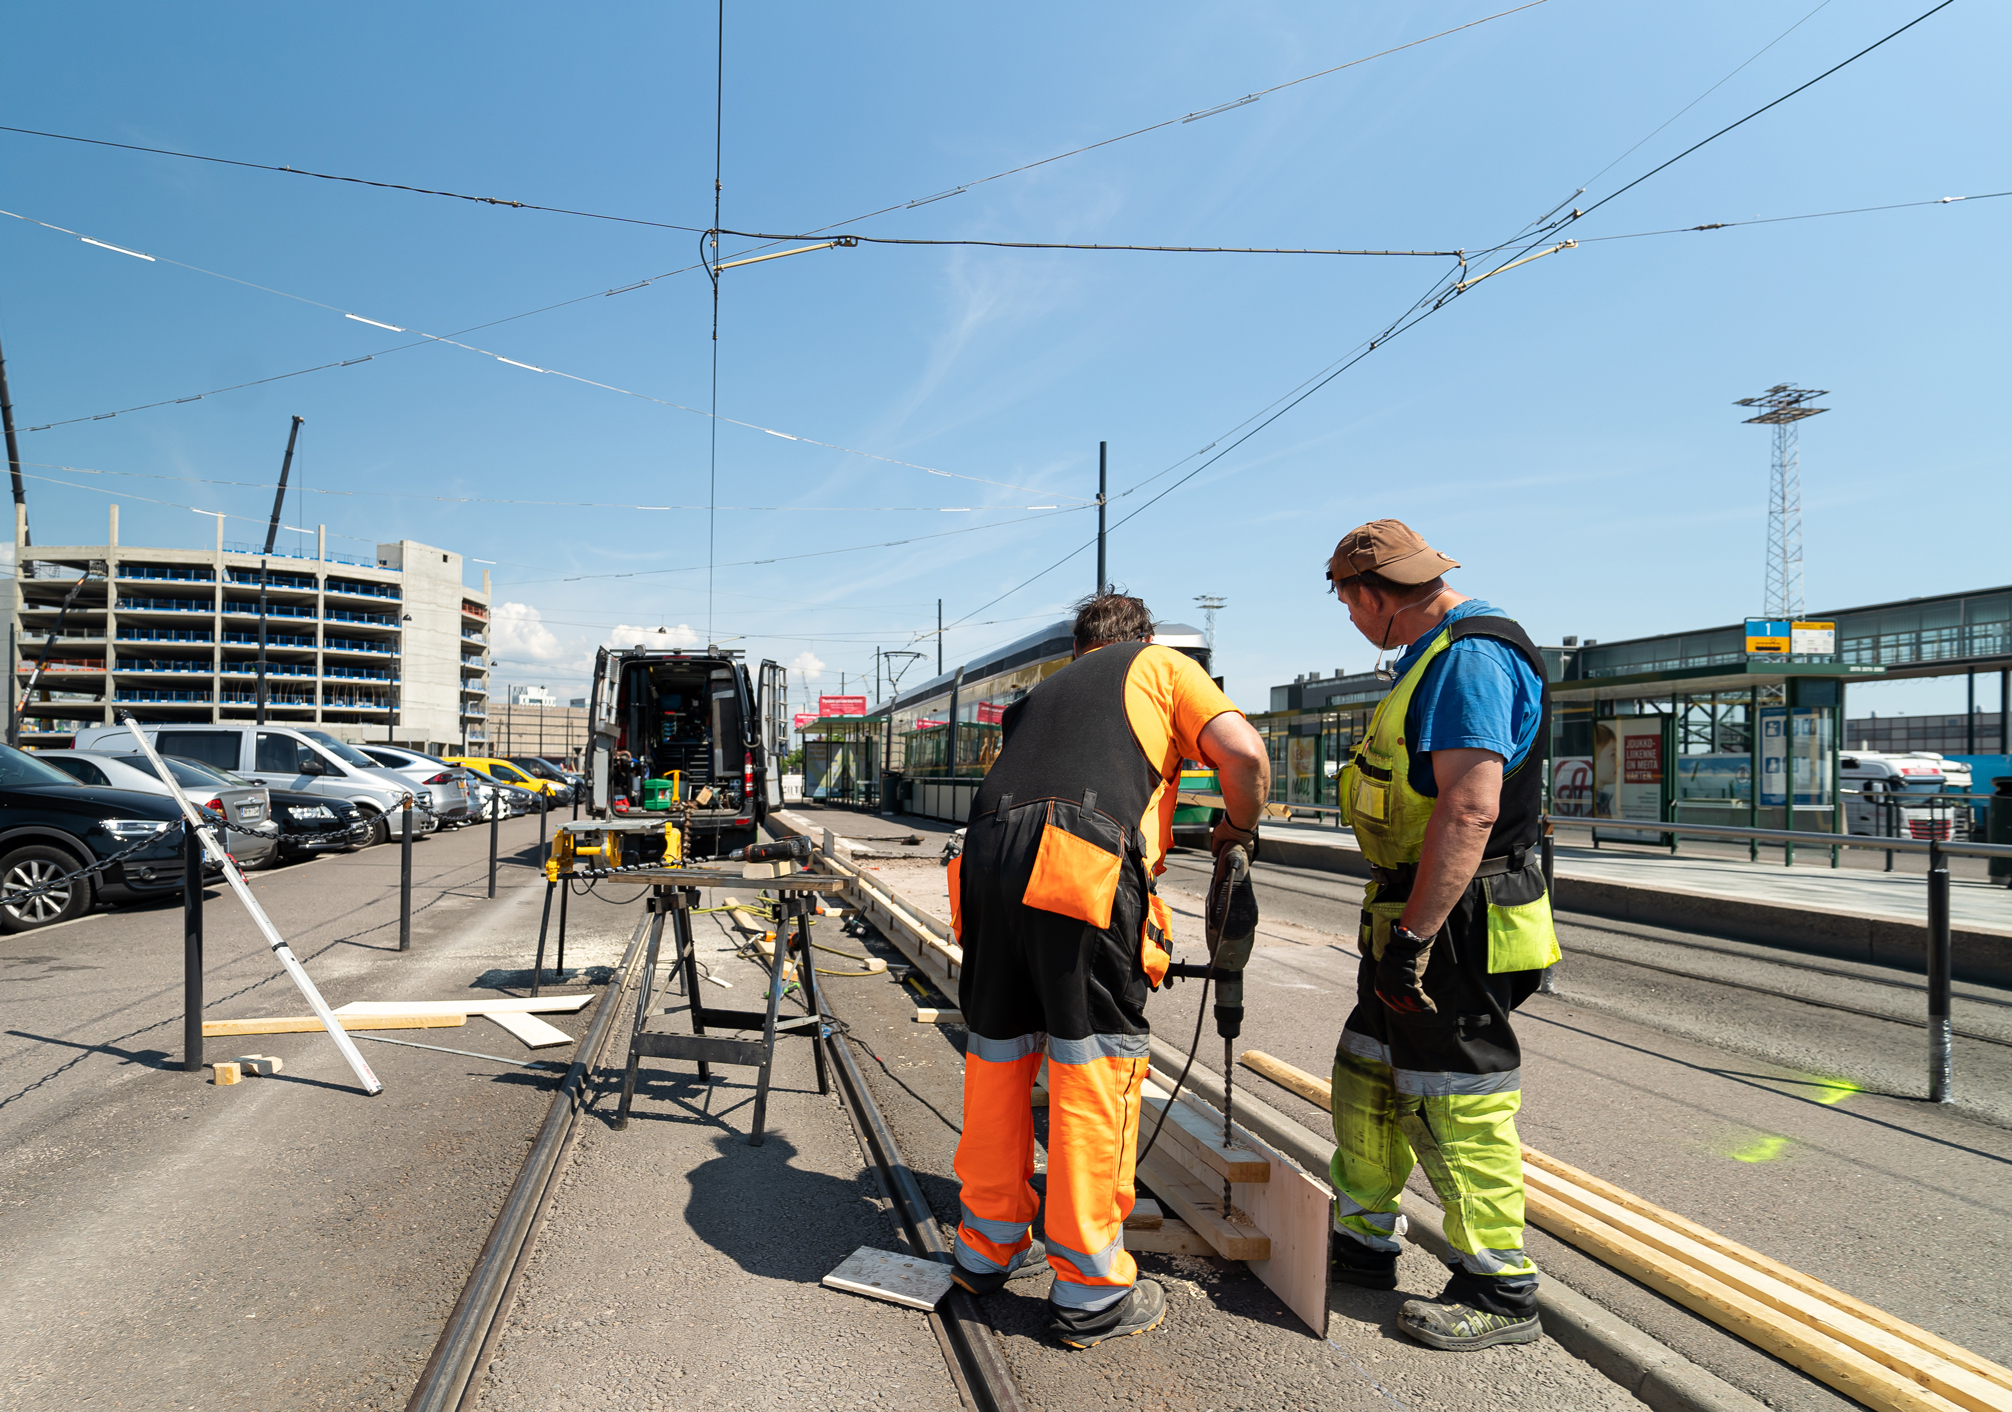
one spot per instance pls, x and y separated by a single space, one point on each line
804 1222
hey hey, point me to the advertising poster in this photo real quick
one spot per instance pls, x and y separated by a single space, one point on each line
1299 757
1572 786
841 705
1773 756
1628 772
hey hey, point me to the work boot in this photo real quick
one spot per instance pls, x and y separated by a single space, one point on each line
1463 1328
1033 1261
1353 1263
1139 1311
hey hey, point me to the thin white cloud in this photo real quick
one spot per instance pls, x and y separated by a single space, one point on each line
808 665
520 634
625 636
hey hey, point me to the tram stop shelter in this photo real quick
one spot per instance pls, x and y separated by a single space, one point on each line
1688 744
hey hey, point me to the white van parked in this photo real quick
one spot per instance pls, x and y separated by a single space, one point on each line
1872 779
300 759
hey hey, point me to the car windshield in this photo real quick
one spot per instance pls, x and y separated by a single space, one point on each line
18 767
187 775
532 767
348 754
1921 786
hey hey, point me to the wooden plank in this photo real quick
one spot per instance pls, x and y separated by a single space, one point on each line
1197 1145
1909 1362
1316 1091
926 1016
1202 1209
1146 1215
1168 1238
301 1024
472 1005
534 1032
1879 1318
1845 1369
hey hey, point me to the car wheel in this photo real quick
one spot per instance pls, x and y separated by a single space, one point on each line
380 831
31 867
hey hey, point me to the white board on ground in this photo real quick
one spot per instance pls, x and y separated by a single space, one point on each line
901 1279
534 1032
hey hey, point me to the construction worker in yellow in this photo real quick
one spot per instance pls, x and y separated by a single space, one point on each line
1444 795
1064 934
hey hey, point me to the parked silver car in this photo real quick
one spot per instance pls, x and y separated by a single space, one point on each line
252 838
444 788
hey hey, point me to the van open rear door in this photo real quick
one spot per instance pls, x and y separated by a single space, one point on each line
774 713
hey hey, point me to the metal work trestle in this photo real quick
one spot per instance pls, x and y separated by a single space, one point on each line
709 1049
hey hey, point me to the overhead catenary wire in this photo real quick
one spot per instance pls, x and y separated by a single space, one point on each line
854 239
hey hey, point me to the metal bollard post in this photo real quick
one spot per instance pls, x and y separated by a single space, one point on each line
1941 1059
1548 985
405 879
192 950
544 808
495 823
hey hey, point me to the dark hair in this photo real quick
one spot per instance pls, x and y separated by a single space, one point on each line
1111 617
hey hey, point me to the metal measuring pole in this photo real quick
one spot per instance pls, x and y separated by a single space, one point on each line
495 823
1941 1058
192 950
405 880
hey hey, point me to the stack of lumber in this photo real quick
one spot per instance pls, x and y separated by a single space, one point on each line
1863 1352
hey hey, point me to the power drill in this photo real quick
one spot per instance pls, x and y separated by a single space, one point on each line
1230 918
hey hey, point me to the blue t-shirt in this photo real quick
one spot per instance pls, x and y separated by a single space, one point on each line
1479 694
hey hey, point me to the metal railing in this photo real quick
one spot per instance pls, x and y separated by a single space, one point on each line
248 608
358 644
127 634
1939 962
338 615
366 590
163 664
134 571
165 605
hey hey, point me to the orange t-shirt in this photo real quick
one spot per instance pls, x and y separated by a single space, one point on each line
1169 701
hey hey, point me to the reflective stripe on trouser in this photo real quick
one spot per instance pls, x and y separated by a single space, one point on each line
1467 1143
995 1154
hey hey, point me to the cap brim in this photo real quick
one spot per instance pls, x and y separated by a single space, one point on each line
1419 566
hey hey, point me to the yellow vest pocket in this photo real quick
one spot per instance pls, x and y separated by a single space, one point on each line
1521 937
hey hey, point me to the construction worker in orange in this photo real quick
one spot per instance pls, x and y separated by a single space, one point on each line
1064 935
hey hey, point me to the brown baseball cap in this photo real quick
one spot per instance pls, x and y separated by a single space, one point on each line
1390 548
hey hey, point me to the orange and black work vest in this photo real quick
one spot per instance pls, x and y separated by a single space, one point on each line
1065 804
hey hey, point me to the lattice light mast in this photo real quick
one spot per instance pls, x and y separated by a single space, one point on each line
1784 405
1210 603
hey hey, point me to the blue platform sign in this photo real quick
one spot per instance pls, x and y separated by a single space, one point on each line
1773 755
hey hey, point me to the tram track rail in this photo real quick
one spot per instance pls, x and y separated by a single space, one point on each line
452 1378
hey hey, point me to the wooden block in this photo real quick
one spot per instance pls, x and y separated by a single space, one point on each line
1200 1147
1168 1238
938 1017
260 1065
900 1279
301 1024
1037 1097
1146 1215
228 1073
532 1031
1202 1209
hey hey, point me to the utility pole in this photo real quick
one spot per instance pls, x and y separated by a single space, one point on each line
271 532
1103 580
939 637
876 676
13 450
1782 407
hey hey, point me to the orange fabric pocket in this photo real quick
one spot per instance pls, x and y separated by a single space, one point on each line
1156 943
1074 877
956 881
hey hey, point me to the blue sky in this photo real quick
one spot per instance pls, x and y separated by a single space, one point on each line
1566 429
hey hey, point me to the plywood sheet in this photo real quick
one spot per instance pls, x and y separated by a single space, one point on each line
471 1005
901 1279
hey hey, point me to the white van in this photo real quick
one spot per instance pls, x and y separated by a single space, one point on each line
300 759
1872 779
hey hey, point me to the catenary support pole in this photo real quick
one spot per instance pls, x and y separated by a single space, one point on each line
271 533
1103 580
495 823
405 877
13 447
1940 1056
939 637
192 950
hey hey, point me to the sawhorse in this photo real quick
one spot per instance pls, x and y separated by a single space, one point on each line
673 895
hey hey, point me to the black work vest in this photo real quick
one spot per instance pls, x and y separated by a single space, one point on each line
1519 818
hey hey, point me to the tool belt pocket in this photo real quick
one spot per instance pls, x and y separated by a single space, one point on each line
1521 936
956 881
1365 789
1076 870
1377 916
1156 940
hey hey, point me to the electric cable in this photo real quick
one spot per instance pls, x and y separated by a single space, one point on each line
1068 245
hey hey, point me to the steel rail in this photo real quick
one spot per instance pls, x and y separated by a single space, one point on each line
984 1369
452 1377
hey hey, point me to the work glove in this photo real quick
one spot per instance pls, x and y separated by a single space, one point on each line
1400 972
1226 835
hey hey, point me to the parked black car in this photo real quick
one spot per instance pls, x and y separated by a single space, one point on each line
306 820
51 826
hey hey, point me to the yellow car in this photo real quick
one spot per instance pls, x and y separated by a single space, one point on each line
504 772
